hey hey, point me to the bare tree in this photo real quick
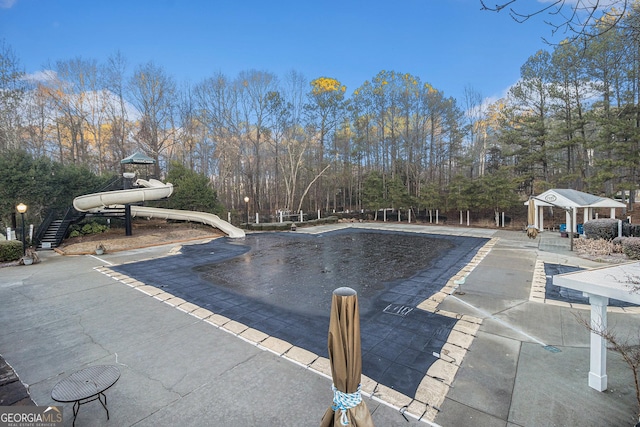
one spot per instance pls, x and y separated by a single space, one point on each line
11 93
187 130
295 144
98 98
255 89
113 74
306 190
153 93
572 17
326 105
475 115
216 101
39 116
69 91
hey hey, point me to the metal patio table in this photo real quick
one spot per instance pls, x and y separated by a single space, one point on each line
86 385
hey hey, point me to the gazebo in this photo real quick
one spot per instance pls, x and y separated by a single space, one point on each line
571 201
138 159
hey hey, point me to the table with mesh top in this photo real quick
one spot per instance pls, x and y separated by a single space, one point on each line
85 386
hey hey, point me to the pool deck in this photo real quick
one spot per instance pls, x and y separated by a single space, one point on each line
525 364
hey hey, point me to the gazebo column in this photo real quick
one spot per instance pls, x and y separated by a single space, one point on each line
598 346
571 217
586 212
613 213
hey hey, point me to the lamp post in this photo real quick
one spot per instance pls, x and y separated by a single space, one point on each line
22 208
246 203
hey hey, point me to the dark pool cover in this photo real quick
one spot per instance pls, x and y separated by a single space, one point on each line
281 284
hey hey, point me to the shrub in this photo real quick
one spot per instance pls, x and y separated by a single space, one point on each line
617 244
286 225
631 247
87 228
606 228
10 250
630 230
597 247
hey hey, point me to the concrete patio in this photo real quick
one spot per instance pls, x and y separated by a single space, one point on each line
63 314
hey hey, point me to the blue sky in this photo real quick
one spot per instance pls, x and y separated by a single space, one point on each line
450 44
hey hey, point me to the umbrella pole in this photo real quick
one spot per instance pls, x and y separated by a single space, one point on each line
571 229
532 226
345 358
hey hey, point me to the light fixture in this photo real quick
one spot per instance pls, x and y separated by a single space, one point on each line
246 202
22 208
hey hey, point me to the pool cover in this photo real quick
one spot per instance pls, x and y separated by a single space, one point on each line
281 284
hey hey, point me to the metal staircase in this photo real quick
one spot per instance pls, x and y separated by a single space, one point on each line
49 240
54 227
52 232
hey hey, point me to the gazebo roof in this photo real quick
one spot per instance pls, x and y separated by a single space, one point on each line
138 159
568 198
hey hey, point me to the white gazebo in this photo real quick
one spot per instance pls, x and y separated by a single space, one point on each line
571 201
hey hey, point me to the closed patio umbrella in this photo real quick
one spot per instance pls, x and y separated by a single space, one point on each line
345 358
532 231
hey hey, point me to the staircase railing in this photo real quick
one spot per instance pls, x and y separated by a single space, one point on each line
43 227
70 216
114 184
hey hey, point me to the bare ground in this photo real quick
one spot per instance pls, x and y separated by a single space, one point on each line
145 233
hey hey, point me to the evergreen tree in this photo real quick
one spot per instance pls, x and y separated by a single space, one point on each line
192 191
41 184
373 192
530 97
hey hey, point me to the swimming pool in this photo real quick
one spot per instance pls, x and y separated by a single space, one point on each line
281 284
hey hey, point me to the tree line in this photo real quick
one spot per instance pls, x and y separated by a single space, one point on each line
571 121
